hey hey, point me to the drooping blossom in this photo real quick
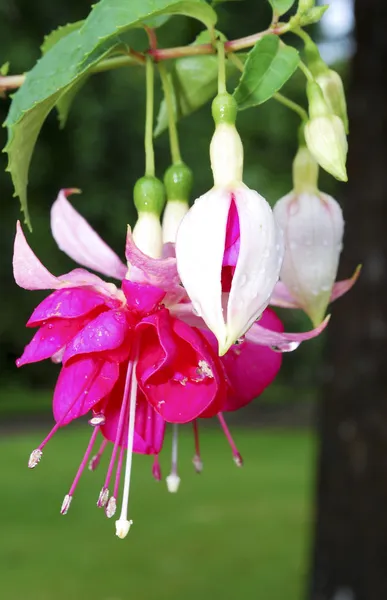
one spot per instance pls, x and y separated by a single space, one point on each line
313 227
120 348
228 247
135 356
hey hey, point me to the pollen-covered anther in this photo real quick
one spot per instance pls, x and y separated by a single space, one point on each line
197 463
35 457
122 528
173 483
111 507
66 504
94 462
97 420
204 369
238 460
103 497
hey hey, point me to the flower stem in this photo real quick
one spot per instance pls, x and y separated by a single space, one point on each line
308 74
173 136
292 105
222 89
149 152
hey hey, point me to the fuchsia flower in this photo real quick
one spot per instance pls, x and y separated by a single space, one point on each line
229 249
313 227
136 356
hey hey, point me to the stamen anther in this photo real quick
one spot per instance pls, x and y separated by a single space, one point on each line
197 463
35 457
103 497
66 504
111 507
97 420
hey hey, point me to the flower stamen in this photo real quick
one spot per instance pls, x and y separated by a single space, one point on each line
123 524
237 457
69 496
197 461
94 461
173 479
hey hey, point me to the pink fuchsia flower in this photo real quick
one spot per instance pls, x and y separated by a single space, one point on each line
105 336
228 247
313 227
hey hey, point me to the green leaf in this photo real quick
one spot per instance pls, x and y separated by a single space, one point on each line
269 65
280 7
195 82
4 68
71 59
57 34
313 15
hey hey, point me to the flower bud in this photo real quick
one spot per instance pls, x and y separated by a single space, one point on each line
149 199
325 134
178 184
313 227
226 150
333 91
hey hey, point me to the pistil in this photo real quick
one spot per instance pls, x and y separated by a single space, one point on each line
173 479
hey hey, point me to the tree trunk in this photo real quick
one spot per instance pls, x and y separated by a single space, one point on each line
350 554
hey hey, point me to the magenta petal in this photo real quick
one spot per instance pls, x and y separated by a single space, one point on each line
81 385
161 272
28 271
149 427
342 287
232 243
69 303
49 339
77 238
176 369
141 297
282 342
251 368
106 332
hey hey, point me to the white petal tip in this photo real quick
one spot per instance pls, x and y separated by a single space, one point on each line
173 483
122 528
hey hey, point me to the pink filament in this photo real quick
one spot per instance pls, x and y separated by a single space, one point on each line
196 437
84 461
95 460
120 426
118 472
156 469
228 435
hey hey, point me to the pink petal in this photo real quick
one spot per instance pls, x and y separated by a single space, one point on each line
108 331
77 238
141 297
49 339
251 368
282 342
160 272
149 427
70 303
28 271
81 385
282 297
342 287
177 370
232 244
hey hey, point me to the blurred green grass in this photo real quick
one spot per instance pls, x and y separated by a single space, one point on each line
229 532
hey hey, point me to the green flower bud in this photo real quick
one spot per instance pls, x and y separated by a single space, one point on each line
333 91
327 142
305 172
178 180
149 195
224 109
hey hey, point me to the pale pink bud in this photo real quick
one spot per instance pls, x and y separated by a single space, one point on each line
313 228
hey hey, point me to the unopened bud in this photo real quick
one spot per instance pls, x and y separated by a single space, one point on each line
327 142
333 91
313 226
